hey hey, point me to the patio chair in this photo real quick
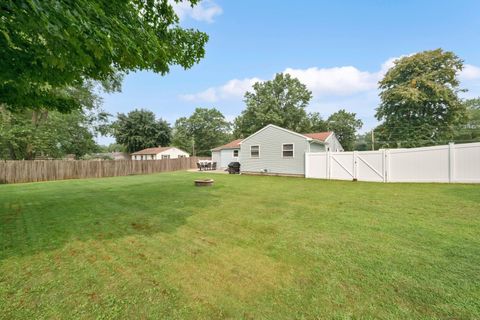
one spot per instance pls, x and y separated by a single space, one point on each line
199 166
209 166
214 166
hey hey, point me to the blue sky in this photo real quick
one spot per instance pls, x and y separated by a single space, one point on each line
339 49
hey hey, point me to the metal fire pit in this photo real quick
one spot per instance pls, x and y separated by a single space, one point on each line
204 183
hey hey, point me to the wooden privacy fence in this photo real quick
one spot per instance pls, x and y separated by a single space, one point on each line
46 170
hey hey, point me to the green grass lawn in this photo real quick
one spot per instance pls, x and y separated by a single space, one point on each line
250 247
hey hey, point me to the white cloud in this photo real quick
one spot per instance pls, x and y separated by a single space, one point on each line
335 81
469 72
234 88
342 86
205 10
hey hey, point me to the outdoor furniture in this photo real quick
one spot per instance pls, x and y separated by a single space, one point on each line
199 166
234 168
204 165
214 166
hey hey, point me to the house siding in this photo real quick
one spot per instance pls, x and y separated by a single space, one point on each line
173 152
333 144
224 157
270 141
216 157
317 147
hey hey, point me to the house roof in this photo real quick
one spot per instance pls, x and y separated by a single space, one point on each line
235 144
322 136
318 136
152 150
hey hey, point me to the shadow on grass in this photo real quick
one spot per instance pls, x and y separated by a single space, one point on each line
45 216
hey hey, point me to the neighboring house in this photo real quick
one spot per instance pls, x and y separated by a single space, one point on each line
227 153
275 150
159 153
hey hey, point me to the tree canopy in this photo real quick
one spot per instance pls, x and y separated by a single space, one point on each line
26 134
281 101
419 99
204 130
470 130
139 129
345 125
49 46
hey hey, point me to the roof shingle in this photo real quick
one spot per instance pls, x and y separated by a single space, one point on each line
231 145
322 136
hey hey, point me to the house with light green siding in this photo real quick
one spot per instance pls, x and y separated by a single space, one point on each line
275 150
227 153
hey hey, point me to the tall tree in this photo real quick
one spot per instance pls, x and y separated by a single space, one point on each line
49 46
315 123
51 133
281 101
419 99
470 131
202 131
25 134
345 125
139 130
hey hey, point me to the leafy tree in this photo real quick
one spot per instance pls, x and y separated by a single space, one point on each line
50 46
202 131
139 130
470 131
25 134
315 123
113 147
281 101
345 125
419 99
28 134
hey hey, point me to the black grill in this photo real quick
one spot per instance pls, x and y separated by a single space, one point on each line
234 167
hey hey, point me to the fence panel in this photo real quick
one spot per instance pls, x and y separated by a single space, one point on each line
46 170
370 166
447 163
342 166
316 165
467 162
429 164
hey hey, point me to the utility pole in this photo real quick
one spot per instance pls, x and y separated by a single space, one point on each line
373 141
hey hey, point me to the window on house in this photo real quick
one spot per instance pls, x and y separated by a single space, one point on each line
235 153
287 150
255 151
165 156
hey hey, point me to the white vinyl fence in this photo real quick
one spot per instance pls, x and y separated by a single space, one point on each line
447 163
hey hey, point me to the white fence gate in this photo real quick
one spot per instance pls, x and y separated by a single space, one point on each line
447 163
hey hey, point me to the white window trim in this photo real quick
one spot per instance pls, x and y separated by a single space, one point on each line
233 153
256 145
293 150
